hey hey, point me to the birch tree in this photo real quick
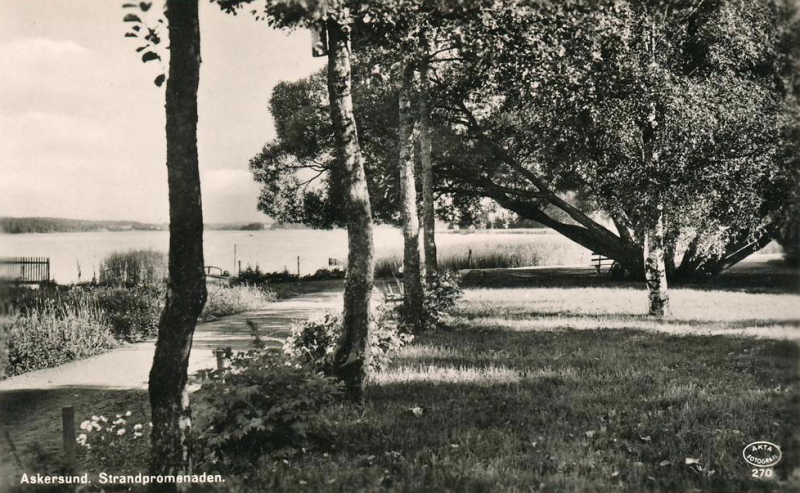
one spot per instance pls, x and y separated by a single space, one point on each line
186 283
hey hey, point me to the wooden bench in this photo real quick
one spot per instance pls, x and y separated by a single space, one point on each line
600 261
392 290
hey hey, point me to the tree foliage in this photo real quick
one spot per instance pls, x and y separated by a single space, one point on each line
561 111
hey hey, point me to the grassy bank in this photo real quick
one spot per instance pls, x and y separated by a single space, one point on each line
494 250
54 325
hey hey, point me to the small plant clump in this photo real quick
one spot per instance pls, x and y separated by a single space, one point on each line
264 403
442 292
313 341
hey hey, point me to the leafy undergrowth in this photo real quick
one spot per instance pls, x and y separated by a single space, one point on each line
491 407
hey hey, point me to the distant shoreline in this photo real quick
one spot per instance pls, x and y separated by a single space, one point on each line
45 225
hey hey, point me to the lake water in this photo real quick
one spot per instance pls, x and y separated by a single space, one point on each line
271 250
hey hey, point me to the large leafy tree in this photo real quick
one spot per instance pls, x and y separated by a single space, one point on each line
676 116
549 110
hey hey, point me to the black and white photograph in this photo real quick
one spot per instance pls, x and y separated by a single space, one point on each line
400 246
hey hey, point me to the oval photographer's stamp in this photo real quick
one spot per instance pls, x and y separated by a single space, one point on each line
762 456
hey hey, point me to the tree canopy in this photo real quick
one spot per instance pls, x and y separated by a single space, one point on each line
565 112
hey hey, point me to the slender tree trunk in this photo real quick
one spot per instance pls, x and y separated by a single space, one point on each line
655 270
412 278
186 285
428 217
351 357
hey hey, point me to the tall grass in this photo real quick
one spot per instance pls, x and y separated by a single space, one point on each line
224 300
134 268
56 333
499 250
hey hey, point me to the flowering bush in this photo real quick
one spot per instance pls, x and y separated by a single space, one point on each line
119 445
263 403
313 341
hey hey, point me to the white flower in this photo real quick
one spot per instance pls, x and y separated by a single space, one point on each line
96 426
137 427
137 434
121 431
86 425
95 418
119 415
120 421
128 413
103 419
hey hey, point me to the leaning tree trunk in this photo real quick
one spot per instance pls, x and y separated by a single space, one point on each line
186 285
351 356
412 278
428 218
655 269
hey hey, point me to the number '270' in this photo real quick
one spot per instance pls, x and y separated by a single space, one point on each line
762 472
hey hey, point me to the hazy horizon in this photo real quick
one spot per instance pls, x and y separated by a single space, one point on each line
83 123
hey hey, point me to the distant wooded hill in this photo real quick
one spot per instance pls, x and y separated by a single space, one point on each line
17 225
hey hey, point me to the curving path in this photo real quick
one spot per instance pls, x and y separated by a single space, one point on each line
116 381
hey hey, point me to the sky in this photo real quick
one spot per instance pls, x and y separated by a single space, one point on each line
82 124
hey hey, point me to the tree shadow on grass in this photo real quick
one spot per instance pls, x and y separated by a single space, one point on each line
751 277
556 320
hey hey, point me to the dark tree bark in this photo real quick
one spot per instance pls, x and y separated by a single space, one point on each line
655 270
351 356
412 276
428 216
186 285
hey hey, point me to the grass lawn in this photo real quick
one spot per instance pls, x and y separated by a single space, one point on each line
514 398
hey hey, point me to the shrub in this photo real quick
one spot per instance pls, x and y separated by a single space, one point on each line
53 335
132 312
263 403
325 275
134 268
254 277
440 296
121 445
226 300
313 341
